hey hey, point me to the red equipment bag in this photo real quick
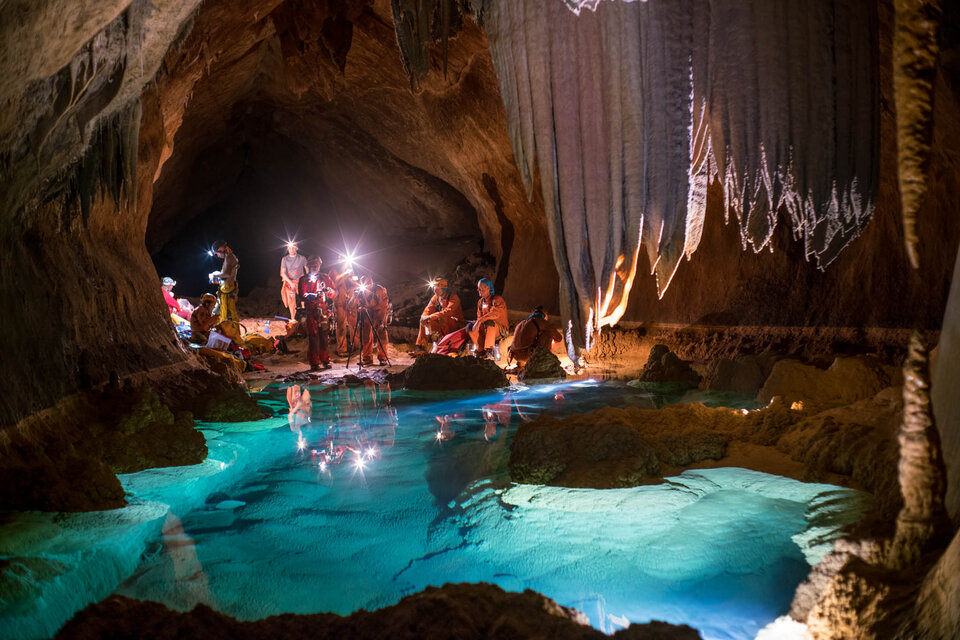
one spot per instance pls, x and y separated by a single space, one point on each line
452 343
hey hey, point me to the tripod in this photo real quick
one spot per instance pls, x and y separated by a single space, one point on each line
358 331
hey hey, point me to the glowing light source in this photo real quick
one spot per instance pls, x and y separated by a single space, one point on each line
431 284
210 252
362 288
301 442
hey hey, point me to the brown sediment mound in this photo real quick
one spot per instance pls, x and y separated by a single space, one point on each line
853 445
433 372
461 611
542 366
848 380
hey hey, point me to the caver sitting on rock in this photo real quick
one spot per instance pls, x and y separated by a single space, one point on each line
533 331
442 315
491 323
203 319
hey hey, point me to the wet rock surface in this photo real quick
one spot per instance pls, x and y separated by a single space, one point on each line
542 366
665 367
461 611
433 372
65 460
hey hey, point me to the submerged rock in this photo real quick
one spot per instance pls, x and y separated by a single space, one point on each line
462 611
613 447
434 372
542 366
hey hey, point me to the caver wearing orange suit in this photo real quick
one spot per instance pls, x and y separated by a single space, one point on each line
345 308
442 315
491 323
533 331
373 297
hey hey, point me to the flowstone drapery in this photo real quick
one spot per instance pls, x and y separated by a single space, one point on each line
629 110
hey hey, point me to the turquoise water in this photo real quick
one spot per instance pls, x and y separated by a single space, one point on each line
365 495
381 494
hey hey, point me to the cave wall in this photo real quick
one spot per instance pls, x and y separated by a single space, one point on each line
422 165
79 291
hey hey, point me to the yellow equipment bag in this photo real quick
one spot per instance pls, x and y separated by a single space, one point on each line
258 344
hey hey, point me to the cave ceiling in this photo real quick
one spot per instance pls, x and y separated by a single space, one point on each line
601 123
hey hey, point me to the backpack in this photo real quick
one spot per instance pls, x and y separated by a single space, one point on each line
452 343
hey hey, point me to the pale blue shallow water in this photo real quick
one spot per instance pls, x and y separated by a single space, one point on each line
262 528
721 550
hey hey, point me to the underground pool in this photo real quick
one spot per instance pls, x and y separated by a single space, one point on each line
354 496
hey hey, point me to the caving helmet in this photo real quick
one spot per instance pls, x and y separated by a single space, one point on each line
208 297
168 282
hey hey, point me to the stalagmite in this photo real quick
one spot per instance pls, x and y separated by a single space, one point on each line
923 518
915 52
630 110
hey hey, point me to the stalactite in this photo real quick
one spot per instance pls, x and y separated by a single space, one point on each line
629 110
923 518
915 53
418 23
109 164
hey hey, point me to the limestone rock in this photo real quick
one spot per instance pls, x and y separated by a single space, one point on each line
542 366
615 447
433 372
65 458
663 366
744 373
462 611
848 380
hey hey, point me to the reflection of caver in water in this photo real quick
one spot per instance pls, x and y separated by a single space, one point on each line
494 415
300 407
227 279
442 315
315 290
